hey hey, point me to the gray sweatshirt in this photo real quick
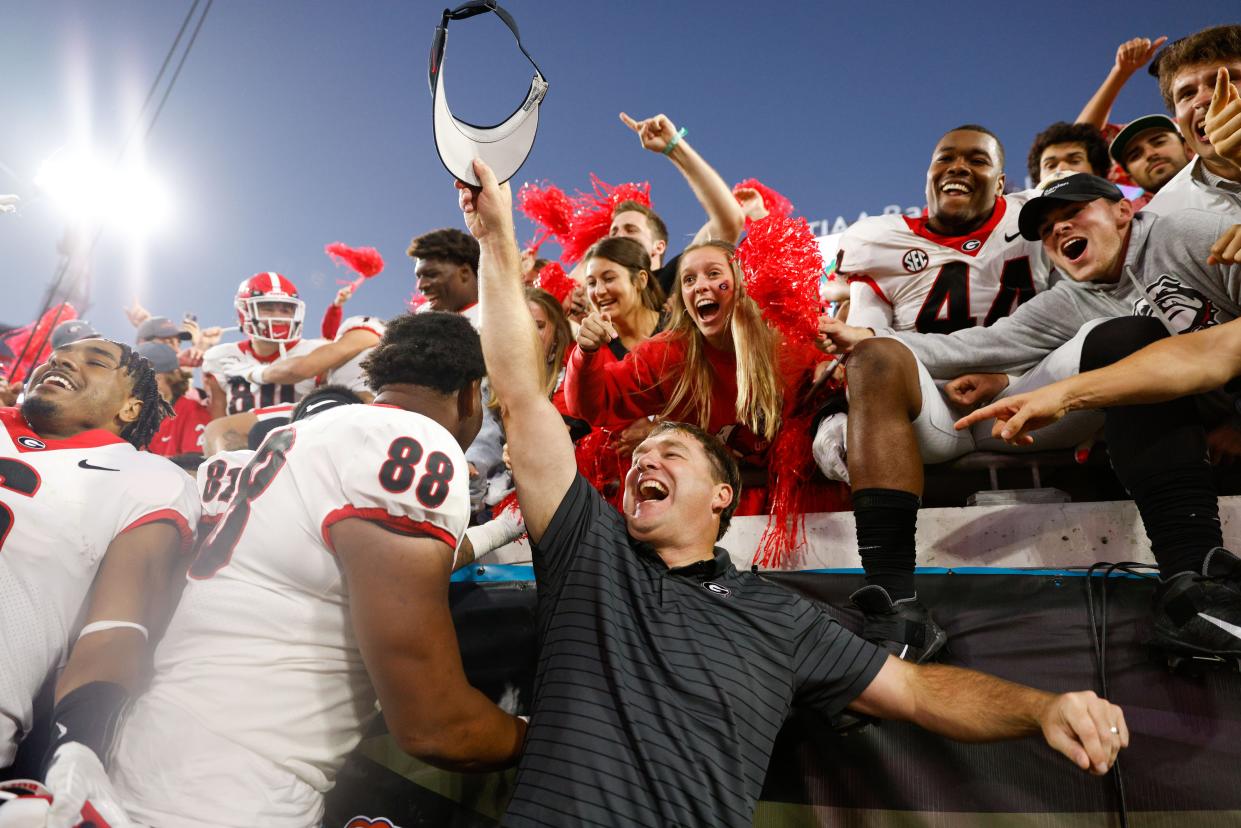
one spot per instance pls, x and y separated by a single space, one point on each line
1165 274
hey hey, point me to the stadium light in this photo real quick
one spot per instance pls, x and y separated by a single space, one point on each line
126 198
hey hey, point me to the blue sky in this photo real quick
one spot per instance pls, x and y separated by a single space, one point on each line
296 124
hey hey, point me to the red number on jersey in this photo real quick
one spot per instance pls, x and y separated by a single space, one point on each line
18 477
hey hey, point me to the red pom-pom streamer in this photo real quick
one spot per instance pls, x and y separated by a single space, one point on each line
364 261
790 463
592 217
782 266
775 203
416 301
548 207
555 281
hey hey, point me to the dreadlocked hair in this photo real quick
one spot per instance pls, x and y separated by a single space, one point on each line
759 387
155 409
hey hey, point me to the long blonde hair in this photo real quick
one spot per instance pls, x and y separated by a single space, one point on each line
759 388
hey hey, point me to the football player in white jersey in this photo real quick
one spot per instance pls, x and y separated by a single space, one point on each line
217 476
339 362
323 586
964 265
92 535
270 313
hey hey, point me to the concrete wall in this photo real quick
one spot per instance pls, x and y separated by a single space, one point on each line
1043 535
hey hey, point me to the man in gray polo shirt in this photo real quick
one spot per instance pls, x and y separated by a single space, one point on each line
664 674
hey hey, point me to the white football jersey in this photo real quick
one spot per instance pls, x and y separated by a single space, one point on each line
228 360
350 374
260 651
217 481
905 277
62 502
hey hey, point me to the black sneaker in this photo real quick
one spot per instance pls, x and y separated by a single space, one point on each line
904 628
1200 614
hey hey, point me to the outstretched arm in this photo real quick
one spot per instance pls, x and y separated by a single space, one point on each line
539 446
1170 368
725 221
292 370
970 706
1131 56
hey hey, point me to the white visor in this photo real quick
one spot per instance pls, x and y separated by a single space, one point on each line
505 146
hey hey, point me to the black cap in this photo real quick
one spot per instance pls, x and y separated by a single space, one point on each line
159 327
1135 128
1076 187
68 332
163 358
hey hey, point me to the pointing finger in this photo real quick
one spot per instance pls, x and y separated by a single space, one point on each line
629 122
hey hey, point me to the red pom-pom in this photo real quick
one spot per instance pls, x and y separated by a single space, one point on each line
775 203
555 281
549 208
592 217
364 261
416 301
788 474
782 266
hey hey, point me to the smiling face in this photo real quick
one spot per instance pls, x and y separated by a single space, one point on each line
1191 90
611 288
1086 239
709 292
631 224
963 182
448 287
1153 157
82 386
672 495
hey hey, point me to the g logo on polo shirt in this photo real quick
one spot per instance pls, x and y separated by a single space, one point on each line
718 589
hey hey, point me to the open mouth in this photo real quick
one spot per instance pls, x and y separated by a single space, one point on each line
707 310
956 188
649 489
1074 248
57 380
1200 131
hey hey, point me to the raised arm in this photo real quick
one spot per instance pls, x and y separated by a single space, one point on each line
539 445
725 221
291 370
1131 56
969 706
398 587
1174 367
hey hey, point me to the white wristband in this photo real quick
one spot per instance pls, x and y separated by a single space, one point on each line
102 626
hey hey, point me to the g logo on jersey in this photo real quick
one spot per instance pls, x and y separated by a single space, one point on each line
31 442
915 260
971 245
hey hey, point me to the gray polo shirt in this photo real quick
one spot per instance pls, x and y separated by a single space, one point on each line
659 692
